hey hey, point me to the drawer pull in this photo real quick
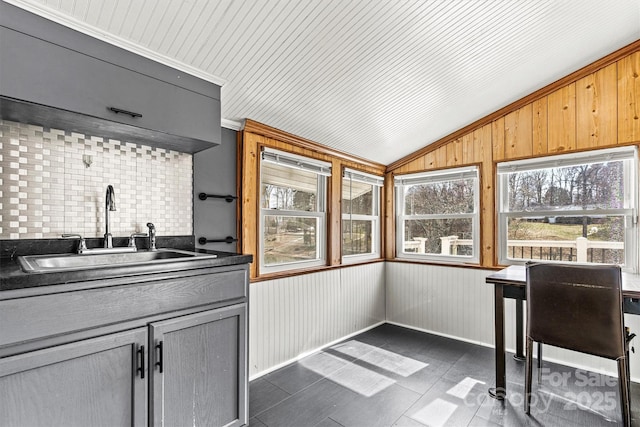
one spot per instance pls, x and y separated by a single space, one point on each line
129 113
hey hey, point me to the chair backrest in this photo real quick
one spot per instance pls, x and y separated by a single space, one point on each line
577 307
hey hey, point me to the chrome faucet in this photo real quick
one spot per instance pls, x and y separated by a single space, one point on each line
109 205
152 236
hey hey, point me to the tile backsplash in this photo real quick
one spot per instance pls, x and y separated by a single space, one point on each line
54 181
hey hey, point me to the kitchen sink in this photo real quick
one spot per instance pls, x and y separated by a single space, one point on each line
71 262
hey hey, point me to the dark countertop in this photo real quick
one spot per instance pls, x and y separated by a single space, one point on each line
13 277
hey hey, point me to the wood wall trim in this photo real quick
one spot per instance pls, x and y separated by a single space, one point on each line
389 220
280 135
250 197
334 214
293 273
239 159
540 93
444 264
250 145
300 272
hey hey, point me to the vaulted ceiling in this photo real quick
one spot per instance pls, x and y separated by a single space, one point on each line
378 79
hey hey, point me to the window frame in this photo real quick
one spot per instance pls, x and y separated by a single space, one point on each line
377 182
323 173
630 214
401 182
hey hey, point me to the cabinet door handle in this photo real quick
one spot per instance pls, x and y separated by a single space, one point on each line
141 361
159 362
128 113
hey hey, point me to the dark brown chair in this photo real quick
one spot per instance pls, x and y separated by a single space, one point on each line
577 307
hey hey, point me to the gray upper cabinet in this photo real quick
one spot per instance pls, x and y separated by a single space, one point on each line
90 87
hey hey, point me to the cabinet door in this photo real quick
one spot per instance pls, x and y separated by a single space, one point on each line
43 73
94 382
200 369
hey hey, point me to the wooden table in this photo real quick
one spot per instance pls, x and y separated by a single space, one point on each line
511 282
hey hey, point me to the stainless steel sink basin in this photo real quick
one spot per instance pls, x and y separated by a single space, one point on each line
71 262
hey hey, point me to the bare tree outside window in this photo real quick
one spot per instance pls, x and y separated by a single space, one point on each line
439 214
578 212
440 198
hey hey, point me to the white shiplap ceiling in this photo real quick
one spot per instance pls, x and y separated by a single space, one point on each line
378 79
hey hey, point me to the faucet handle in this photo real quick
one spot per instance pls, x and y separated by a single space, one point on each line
152 236
82 245
132 238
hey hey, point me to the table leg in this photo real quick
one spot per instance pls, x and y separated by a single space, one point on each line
499 391
519 328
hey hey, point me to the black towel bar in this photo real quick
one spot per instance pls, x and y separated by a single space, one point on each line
228 239
229 198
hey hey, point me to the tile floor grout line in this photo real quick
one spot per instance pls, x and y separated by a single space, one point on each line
341 425
278 387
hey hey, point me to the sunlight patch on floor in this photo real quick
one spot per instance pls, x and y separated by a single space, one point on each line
361 380
464 387
323 363
436 413
385 359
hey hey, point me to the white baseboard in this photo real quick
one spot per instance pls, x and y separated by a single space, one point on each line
484 344
428 331
511 350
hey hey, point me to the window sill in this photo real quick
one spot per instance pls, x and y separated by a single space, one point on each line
439 259
298 272
445 264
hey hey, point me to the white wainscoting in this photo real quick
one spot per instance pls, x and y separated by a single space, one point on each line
295 316
456 302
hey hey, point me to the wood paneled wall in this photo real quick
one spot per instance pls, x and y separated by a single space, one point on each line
250 142
596 107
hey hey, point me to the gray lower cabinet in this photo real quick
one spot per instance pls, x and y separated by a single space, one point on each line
166 349
198 375
194 365
93 382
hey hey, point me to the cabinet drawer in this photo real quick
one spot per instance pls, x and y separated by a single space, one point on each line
25 319
46 74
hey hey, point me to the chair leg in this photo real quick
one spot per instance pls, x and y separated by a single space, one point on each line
625 399
539 362
527 376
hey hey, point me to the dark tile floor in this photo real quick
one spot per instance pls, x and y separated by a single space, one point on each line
393 376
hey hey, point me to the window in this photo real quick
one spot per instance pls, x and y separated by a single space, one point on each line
292 220
438 215
360 215
576 207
